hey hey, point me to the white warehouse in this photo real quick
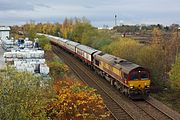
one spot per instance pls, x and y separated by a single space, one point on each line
4 32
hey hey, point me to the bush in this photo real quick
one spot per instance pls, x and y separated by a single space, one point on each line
43 41
57 69
76 101
102 40
23 96
152 58
125 48
174 74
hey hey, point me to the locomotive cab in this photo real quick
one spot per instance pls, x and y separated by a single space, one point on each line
139 83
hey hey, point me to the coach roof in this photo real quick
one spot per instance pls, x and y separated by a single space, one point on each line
63 40
72 43
86 49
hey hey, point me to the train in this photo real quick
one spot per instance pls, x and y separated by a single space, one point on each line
129 78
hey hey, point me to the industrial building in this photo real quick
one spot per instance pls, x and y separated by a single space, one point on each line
4 32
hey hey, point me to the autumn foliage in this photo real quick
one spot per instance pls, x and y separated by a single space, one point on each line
23 96
175 74
76 101
57 69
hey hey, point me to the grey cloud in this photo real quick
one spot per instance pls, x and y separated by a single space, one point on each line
21 5
88 6
98 11
43 5
15 5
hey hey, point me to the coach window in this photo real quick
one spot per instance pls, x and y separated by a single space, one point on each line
87 55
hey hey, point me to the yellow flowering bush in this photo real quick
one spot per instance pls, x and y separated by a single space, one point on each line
76 101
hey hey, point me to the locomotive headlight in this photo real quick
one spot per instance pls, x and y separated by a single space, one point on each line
131 87
147 86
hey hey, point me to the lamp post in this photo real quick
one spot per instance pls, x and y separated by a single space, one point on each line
115 20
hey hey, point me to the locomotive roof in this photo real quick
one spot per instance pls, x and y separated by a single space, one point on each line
72 43
117 62
86 49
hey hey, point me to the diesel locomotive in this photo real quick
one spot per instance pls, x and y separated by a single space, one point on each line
131 79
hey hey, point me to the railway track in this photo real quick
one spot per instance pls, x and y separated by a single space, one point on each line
153 111
120 106
117 112
163 108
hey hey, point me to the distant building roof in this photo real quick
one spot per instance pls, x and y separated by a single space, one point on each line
5 28
107 28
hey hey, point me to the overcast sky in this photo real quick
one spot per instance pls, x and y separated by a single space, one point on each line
99 12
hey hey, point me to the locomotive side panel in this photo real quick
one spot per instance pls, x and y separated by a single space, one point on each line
110 71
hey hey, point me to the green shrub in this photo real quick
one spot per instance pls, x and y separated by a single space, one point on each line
23 96
174 74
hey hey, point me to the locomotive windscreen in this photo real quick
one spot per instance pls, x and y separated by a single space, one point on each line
139 75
